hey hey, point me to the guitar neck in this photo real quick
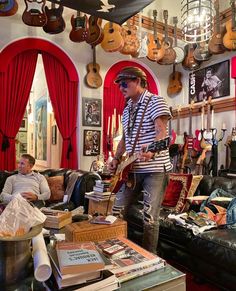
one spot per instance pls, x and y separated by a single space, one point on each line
190 123
166 24
217 17
178 124
233 15
175 20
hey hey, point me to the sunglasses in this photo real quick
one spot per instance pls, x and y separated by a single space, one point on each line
124 84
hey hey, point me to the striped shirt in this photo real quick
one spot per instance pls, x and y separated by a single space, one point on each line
131 119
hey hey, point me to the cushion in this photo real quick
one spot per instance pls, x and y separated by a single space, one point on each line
196 179
177 191
56 185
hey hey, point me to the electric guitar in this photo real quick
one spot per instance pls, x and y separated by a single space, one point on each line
215 44
179 137
34 13
93 78
172 133
123 168
156 48
229 39
79 31
175 84
199 133
95 32
189 62
170 54
131 41
55 22
112 41
8 7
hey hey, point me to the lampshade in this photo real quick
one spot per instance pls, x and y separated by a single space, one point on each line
197 20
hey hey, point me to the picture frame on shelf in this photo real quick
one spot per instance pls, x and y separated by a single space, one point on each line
212 81
91 108
92 140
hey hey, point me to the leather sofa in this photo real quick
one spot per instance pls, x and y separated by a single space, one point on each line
84 183
210 255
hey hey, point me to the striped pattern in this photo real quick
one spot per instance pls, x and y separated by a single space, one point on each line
156 108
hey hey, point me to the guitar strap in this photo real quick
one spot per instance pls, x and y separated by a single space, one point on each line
140 124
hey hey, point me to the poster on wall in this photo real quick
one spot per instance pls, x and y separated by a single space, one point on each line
212 81
92 142
91 109
40 118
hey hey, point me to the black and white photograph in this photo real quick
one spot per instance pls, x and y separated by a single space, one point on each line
212 81
91 109
92 142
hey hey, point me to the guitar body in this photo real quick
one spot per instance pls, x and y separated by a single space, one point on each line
34 13
201 52
173 137
143 48
189 62
175 84
93 78
55 22
216 45
8 8
79 31
197 140
229 39
131 42
154 53
95 33
112 41
169 55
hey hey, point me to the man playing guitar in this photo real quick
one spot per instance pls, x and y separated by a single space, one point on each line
145 119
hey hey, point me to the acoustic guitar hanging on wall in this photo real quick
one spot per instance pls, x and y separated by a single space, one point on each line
93 78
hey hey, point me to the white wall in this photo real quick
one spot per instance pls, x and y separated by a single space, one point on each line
12 28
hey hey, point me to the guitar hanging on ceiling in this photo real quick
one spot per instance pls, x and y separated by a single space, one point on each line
79 31
178 50
55 22
8 7
229 39
93 78
112 41
215 44
34 13
156 48
95 32
131 41
169 54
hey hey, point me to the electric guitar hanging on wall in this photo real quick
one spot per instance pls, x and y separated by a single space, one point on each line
123 168
34 13
79 31
8 7
55 22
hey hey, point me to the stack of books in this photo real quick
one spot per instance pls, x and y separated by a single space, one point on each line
80 265
56 218
101 191
128 260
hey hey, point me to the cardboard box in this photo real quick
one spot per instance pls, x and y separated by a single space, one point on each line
86 231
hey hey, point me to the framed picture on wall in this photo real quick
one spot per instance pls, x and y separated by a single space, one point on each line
92 142
40 118
212 81
91 112
23 125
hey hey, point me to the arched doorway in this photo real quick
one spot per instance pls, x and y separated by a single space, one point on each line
113 101
17 67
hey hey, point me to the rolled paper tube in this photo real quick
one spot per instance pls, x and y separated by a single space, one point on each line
42 266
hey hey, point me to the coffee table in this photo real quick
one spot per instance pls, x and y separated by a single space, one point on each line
167 278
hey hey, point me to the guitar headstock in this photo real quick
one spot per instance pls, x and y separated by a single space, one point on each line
154 13
165 15
209 100
191 105
179 107
175 20
159 145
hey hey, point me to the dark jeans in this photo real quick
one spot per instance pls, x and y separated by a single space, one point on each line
153 187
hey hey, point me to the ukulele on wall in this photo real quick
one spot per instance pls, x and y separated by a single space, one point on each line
112 41
215 44
34 13
131 41
93 78
55 22
156 48
169 54
8 7
175 84
229 39
79 29
95 32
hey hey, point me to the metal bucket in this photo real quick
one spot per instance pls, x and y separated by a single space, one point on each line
15 255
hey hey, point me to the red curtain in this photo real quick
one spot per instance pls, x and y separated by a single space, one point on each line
15 86
64 98
114 99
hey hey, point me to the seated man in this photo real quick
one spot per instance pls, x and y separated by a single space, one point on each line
31 185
